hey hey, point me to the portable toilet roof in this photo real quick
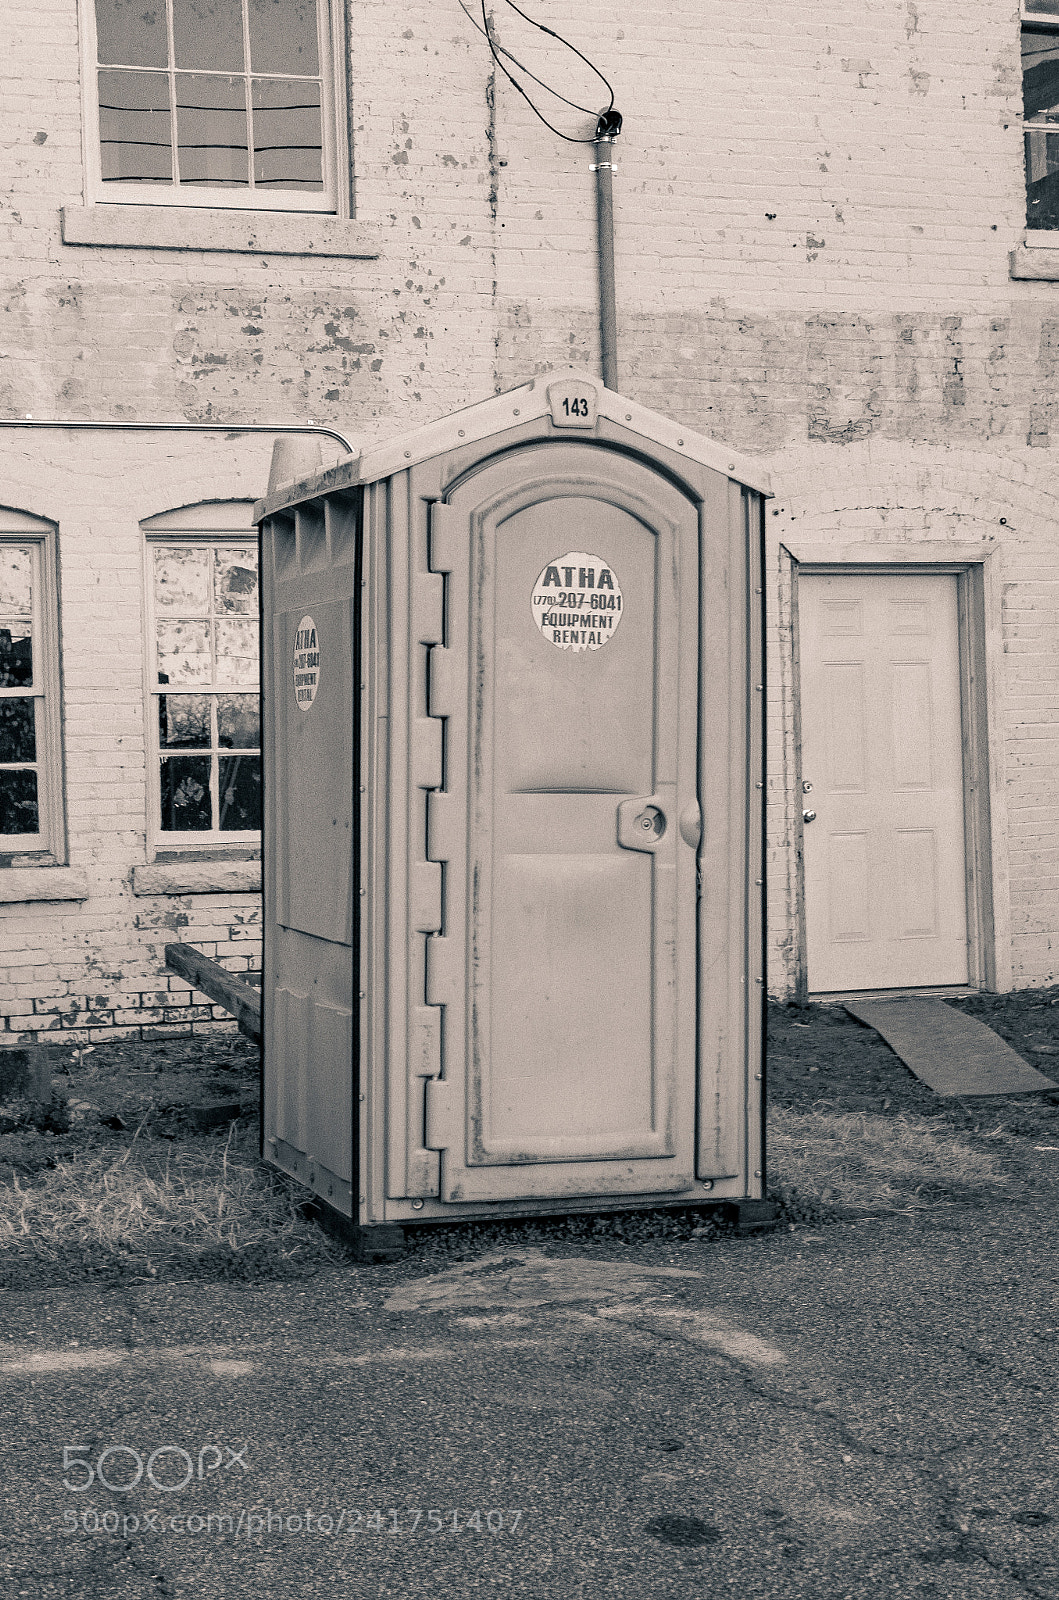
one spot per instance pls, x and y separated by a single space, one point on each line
612 419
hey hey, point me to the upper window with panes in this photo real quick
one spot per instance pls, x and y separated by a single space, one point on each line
1040 100
213 103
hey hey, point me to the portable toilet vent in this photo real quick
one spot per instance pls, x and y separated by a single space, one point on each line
513 743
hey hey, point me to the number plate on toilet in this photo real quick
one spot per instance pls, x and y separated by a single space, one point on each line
573 404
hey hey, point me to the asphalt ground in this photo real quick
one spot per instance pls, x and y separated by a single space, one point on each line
867 1409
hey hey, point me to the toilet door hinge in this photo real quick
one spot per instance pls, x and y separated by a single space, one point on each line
445 542
437 1119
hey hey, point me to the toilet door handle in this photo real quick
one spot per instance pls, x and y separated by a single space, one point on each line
641 822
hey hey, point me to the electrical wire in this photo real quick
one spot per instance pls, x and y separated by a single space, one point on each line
504 51
496 50
551 31
570 138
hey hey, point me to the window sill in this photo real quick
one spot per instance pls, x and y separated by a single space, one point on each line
197 877
282 233
1039 260
19 884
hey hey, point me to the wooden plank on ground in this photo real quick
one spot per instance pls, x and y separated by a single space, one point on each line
223 987
953 1053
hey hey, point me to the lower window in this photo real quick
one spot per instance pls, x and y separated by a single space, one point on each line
206 713
30 770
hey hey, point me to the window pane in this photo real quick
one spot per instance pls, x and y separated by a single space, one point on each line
184 653
132 33
135 135
184 721
16 655
1042 8
238 721
235 576
16 581
186 803
240 791
211 131
1042 180
1040 95
208 34
288 151
1040 71
18 802
283 36
182 581
237 666
18 730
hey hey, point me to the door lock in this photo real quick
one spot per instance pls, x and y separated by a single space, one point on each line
641 823
807 787
808 816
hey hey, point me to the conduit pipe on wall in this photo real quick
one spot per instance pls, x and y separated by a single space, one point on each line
186 427
607 130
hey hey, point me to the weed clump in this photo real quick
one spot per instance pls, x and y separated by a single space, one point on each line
159 1208
853 1160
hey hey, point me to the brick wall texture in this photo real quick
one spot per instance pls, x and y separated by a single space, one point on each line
815 213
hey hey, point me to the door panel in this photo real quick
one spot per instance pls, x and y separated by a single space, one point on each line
563 918
308 956
579 955
885 872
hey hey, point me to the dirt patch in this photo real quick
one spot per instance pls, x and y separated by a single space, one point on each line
130 1077
818 1055
823 1065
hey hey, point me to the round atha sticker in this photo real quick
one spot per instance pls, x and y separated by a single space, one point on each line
577 602
305 663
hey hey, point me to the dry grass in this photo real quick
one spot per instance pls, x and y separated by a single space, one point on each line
862 1159
159 1206
159 1203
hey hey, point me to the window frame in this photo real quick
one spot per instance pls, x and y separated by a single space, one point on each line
1038 22
210 527
46 847
332 200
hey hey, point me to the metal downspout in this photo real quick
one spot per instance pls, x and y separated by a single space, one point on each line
607 130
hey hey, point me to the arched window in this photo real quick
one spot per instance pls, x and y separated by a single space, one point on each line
30 750
205 722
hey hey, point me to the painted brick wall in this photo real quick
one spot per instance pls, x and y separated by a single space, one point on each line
814 214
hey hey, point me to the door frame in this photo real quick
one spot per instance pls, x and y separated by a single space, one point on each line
981 653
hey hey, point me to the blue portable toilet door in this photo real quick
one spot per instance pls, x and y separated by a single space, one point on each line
569 828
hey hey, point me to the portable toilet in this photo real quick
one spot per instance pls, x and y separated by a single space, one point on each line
513 752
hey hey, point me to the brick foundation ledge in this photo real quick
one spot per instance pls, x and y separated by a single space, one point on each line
41 883
197 877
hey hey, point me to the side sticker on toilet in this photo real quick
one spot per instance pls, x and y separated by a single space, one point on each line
305 663
577 602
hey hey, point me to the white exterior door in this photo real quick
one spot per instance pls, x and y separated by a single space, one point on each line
885 869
